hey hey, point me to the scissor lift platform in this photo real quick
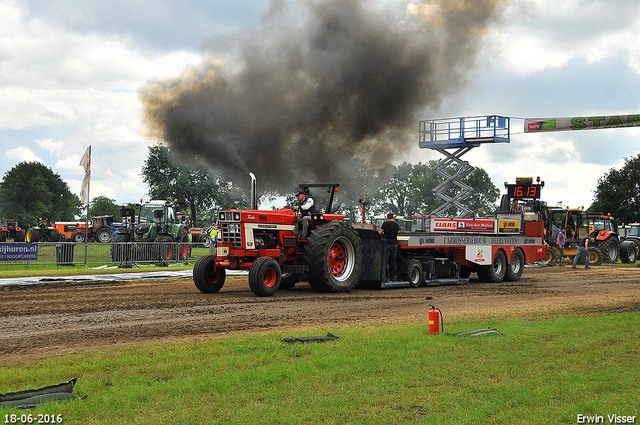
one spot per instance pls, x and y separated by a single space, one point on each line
461 134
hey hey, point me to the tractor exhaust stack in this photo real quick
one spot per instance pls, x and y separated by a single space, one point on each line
254 197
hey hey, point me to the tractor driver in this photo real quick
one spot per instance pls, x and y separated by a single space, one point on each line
304 209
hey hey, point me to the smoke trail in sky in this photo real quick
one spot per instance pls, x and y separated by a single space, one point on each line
319 83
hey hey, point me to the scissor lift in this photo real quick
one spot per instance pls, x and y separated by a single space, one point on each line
453 137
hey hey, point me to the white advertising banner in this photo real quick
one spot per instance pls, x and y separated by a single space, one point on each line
537 125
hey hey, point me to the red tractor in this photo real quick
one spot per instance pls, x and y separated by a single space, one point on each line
11 230
604 243
604 232
264 243
99 230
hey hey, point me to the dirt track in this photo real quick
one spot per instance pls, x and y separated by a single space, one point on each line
37 321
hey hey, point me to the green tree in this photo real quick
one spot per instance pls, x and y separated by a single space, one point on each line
196 189
31 190
410 190
618 192
102 205
483 202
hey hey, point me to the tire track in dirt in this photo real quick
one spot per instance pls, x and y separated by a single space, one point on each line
36 321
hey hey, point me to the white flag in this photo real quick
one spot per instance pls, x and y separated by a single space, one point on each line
85 162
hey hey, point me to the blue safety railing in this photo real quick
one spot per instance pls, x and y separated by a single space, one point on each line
459 132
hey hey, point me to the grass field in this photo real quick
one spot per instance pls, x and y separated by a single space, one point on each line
68 257
540 371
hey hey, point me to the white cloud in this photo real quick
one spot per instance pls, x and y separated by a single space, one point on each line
54 148
555 158
101 189
547 34
70 163
39 56
526 55
81 87
22 153
68 78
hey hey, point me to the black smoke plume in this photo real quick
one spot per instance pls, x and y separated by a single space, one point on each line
320 83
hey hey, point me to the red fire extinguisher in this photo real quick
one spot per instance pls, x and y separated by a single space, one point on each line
435 320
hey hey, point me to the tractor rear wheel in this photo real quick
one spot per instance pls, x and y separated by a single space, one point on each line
496 271
103 235
3 236
515 269
54 235
207 277
334 257
33 235
265 276
610 250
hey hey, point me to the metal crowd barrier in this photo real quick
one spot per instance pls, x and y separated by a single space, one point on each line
124 254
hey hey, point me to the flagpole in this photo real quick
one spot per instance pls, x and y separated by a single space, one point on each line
86 225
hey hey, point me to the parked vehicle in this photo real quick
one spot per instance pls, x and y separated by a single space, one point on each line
45 232
157 223
11 230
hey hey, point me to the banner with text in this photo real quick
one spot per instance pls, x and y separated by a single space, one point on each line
18 251
537 125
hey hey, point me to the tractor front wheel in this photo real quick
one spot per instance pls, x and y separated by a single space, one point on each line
33 235
628 252
183 243
165 247
265 276
610 249
595 257
552 254
77 236
119 249
207 277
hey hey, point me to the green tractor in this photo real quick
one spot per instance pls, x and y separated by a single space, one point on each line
157 235
43 233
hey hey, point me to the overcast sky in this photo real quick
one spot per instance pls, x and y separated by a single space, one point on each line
71 70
